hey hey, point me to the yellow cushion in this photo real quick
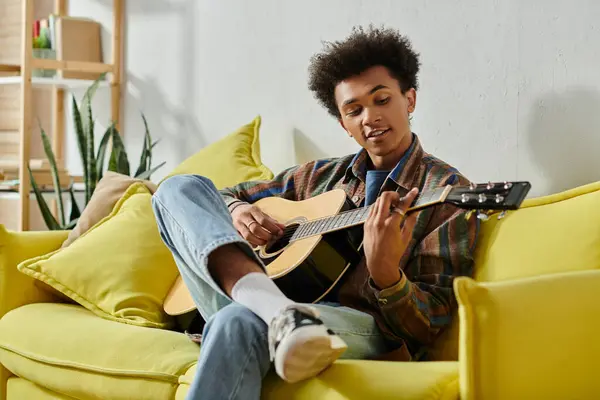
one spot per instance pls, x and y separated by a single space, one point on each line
19 388
354 379
119 269
230 160
67 349
550 234
17 289
532 338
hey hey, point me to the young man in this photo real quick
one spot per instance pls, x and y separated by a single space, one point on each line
398 298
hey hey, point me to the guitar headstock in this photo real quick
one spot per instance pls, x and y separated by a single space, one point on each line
489 196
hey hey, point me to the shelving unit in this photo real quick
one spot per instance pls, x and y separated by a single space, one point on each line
16 66
50 82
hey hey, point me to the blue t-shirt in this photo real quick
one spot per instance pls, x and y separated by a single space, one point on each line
375 180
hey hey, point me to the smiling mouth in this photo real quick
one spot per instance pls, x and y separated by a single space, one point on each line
377 134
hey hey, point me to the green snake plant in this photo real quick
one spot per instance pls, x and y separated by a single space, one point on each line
92 159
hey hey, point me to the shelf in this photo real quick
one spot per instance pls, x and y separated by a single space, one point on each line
10 68
73 66
57 82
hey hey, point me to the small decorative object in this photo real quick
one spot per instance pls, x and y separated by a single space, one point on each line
47 54
42 48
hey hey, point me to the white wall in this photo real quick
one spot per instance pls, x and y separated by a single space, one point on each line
509 89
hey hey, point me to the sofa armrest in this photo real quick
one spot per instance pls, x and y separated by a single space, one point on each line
531 338
16 288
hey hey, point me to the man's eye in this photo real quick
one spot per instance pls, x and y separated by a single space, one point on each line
382 101
353 112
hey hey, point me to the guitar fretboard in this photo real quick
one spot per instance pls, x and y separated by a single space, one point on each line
358 216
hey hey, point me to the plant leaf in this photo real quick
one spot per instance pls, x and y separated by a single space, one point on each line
118 157
91 168
49 219
87 120
146 155
81 139
102 150
71 224
112 161
75 212
149 145
86 102
155 143
123 163
54 172
147 174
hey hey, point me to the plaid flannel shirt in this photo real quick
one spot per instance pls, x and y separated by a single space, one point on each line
412 312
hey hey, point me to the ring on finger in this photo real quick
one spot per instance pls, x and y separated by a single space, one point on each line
399 211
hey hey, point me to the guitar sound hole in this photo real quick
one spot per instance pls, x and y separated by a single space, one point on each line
282 242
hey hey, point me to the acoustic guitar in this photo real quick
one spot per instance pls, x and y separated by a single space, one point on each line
322 238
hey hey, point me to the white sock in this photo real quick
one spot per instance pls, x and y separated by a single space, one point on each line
261 295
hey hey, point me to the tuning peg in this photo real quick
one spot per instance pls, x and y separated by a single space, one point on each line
490 186
464 198
507 185
483 216
482 198
502 214
472 186
499 199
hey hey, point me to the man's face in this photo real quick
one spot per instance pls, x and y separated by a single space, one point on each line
375 113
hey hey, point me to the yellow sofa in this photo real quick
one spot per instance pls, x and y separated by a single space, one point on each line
527 326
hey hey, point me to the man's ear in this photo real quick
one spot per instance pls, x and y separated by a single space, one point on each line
411 96
341 122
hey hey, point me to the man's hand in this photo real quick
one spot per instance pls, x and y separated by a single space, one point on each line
387 234
255 226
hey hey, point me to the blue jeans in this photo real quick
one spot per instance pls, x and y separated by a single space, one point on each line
193 220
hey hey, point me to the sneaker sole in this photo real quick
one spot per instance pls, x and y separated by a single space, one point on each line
306 353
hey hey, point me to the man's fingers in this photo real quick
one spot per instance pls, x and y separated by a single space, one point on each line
258 231
268 222
400 206
386 200
407 227
250 237
409 222
404 203
251 230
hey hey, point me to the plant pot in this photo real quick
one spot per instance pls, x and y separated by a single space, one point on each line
47 54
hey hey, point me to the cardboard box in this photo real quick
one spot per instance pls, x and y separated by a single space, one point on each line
78 39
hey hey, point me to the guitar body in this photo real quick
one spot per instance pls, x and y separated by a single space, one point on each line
306 270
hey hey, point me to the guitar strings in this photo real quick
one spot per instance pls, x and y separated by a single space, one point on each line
289 231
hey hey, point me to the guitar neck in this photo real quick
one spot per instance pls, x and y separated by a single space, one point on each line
358 216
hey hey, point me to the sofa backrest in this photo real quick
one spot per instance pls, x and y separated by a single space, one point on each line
550 234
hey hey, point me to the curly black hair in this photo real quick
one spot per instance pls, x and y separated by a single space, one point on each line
361 50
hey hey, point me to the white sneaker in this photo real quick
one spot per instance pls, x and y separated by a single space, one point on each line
300 345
